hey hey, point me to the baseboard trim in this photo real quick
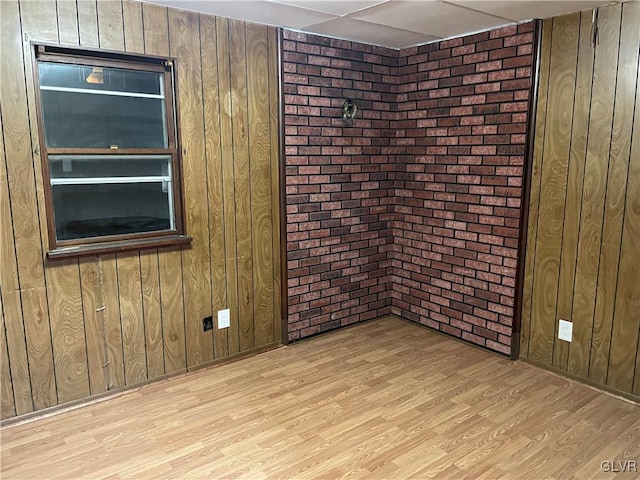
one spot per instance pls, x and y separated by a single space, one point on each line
626 396
118 392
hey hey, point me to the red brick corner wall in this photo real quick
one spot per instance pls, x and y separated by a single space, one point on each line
338 194
414 208
464 110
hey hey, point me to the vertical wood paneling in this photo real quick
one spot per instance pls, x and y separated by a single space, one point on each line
7 405
564 51
110 24
228 188
211 98
625 350
88 23
536 175
12 308
133 29
149 270
62 278
156 42
274 132
92 303
260 175
185 44
112 319
67 16
67 330
599 274
240 123
156 29
24 206
17 351
573 200
106 322
150 277
594 188
133 335
615 197
173 311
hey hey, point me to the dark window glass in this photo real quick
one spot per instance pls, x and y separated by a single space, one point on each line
126 110
98 210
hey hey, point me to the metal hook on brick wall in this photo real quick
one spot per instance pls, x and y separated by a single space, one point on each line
349 110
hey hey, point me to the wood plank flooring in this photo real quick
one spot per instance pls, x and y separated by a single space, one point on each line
385 399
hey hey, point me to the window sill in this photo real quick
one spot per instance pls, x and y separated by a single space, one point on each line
94 249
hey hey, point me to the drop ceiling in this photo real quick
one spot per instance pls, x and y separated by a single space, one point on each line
389 23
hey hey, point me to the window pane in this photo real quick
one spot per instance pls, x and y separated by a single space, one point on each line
98 166
96 210
127 109
99 78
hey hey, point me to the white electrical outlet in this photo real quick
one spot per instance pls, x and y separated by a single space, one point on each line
565 330
224 318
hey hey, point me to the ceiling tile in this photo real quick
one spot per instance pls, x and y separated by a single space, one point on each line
350 29
270 13
332 6
429 17
523 10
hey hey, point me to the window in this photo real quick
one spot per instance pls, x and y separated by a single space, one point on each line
110 156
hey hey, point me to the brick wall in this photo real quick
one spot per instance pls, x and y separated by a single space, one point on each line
338 193
463 107
415 207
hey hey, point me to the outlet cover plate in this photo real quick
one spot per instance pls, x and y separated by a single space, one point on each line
224 318
565 330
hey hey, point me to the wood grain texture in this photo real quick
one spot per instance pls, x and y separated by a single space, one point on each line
68 330
260 175
133 28
536 177
228 188
24 205
573 200
131 317
12 308
67 16
564 51
115 321
16 359
17 351
213 147
94 324
154 345
185 43
88 23
156 42
156 29
62 278
110 24
615 194
113 326
242 172
385 399
625 349
597 288
594 188
173 310
7 404
274 133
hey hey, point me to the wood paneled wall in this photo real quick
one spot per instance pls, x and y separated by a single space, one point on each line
57 344
582 261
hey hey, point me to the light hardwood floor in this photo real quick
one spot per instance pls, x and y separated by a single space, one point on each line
386 399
